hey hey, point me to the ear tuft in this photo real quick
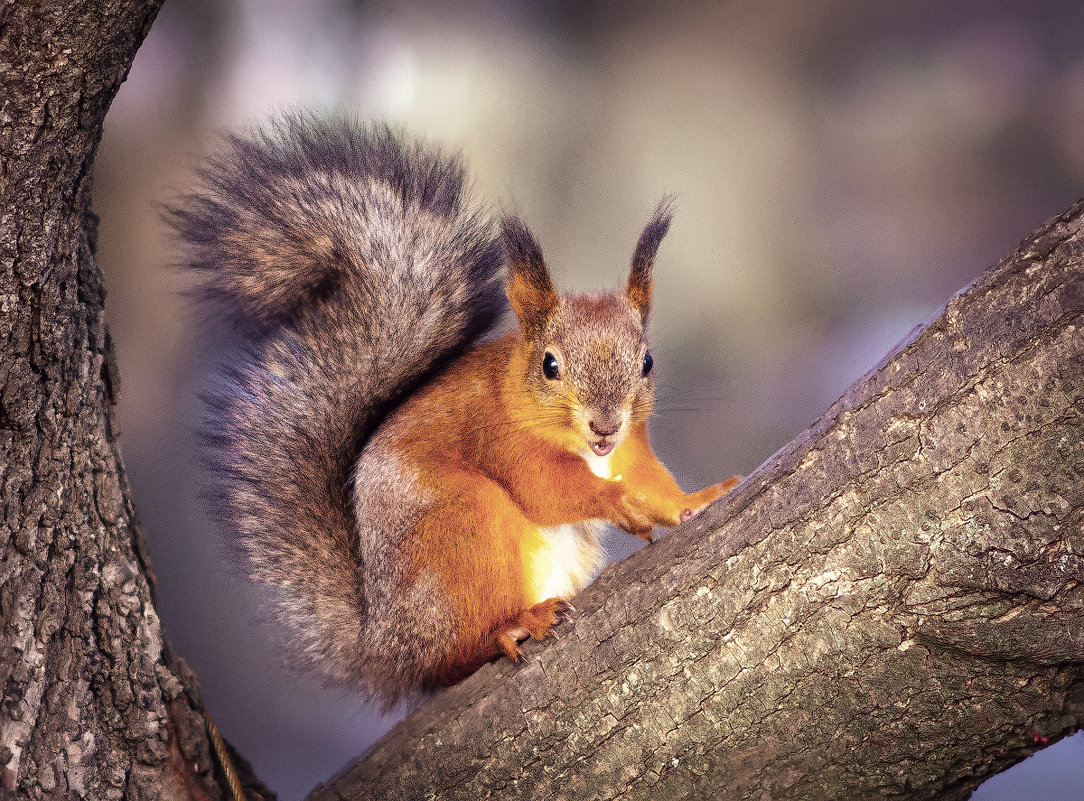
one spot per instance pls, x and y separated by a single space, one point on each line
643 259
530 290
520 246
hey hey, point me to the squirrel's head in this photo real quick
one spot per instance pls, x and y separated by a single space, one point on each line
586 362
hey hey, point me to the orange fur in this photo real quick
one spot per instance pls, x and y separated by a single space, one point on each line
502 466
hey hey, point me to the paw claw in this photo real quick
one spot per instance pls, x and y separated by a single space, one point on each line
508 646
538 621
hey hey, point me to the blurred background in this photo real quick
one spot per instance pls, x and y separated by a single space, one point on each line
842 168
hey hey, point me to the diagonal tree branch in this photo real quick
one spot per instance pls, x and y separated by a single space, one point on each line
888 607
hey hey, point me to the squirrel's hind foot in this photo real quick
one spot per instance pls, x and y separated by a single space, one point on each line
535 622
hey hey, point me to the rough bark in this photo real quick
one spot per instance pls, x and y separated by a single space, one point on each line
887 608
94 705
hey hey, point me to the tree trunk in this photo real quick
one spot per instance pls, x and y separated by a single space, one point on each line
94 705
889 607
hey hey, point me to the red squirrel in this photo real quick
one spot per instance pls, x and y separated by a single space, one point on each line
422 498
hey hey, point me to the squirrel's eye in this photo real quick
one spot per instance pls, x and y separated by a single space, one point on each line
549 367
648 362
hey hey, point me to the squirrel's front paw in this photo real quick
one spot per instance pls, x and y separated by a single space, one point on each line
635 518
699 501
629 510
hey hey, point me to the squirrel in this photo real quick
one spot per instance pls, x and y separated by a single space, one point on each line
422 497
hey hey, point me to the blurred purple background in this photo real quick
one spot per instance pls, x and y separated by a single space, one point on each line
842 168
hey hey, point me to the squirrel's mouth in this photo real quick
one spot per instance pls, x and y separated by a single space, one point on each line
603 446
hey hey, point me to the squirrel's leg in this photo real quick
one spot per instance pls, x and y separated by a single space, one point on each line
652 489
504 638
696 502
473 541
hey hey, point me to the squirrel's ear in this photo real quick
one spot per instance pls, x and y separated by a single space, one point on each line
638 289
529 288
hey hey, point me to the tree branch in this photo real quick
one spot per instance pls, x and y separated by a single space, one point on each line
888 607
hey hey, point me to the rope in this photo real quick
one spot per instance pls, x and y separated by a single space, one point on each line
224 761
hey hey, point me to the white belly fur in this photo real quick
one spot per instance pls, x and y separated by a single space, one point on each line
569 558
599 465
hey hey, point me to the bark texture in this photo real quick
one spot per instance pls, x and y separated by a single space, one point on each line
887 608
94 705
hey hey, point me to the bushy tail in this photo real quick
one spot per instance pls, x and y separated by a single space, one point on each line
351 257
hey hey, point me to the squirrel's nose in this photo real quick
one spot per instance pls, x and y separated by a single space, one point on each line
605 426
